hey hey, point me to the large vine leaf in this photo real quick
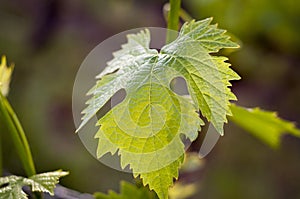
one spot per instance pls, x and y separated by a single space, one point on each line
264 125
11 186
146 128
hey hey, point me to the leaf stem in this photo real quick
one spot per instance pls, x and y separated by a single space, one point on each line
21 133
185 16
18 136
173 20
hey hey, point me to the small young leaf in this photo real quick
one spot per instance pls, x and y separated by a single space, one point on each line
46 182
11 186
5 76
146 128
128 191
264 125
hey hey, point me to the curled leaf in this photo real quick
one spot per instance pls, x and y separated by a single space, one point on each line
5 76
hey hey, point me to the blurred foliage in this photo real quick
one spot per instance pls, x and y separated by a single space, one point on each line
128 191
264 125
274 22
190 173
48 39
181 191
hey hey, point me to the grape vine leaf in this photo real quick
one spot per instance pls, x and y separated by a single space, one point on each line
146 128
128 191
264 125
11 186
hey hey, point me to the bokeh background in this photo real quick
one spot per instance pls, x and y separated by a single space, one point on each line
48 39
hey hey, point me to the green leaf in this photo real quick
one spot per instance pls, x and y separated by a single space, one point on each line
11 186
128 191
148 126
264 125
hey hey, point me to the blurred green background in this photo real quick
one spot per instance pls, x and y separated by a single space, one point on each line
48 39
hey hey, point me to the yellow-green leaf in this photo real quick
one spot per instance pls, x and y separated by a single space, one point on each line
147 127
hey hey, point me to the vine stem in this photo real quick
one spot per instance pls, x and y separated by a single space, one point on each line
183 14
18 136
173 20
